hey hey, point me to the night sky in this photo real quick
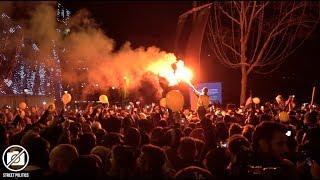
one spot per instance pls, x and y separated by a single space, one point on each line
154 23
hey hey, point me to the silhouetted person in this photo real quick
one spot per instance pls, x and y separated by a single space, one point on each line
124 162
151 162
86 166
61 158
86 143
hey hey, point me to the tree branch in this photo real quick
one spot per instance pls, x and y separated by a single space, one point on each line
227 14
271 35
262 7
294 22
242 47
231 48
193 10
237 6
250 22
286 27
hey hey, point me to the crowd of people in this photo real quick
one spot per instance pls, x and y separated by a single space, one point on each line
277 140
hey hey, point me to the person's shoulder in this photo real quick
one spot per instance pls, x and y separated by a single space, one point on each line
287 163
289 169
36 171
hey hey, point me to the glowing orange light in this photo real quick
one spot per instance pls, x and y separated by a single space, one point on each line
163 67
183 73
180 74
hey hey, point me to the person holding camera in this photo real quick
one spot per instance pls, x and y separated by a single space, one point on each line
270 146
309 157
240 152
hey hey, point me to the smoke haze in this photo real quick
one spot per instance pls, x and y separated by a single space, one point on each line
83 44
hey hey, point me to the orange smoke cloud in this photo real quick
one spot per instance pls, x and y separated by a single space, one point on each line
89 56
108 67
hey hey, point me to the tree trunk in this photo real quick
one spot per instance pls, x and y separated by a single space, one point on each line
244 77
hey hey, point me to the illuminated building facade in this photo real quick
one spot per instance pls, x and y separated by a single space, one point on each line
22 70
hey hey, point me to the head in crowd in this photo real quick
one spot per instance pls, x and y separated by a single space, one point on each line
74 131
247 132
187 148
86 166
111 139
105 156
172 138
193 172
279 99
86 143
151 161
253 120
95 126
145 139
227 120
221 130
187 131
38 150
312 137
28 137
100 133
132 137
206 123
112 124
216 162
235 128
311 119
269 139
156 117
124 161
163 123
198 133
86 127
61 158
156 136
236 144
127 122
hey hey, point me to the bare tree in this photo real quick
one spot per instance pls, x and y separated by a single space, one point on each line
258 36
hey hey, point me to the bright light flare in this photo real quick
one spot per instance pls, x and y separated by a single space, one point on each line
164 68
183 73
180 74
170 76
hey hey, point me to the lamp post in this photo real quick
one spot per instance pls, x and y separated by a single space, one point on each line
124 91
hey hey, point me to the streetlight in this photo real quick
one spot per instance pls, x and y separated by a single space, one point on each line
124 93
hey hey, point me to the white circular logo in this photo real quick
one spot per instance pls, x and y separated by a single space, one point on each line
15 158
